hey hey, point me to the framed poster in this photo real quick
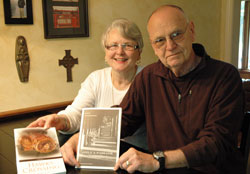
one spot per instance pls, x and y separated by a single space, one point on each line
18 11
65 18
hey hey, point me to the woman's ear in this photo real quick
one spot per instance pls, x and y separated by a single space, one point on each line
140 51
138 61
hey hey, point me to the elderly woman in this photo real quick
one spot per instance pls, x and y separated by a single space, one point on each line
106 87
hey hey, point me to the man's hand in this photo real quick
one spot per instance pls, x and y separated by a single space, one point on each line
69 149
134 160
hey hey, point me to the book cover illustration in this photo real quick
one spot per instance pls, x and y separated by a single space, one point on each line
99 140
38 151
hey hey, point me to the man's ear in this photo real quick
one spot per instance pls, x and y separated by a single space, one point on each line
192 29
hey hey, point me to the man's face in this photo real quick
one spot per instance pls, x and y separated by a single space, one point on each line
171 37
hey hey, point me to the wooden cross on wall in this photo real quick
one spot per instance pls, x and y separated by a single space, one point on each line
68 62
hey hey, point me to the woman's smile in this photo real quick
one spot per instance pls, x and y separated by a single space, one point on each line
120 59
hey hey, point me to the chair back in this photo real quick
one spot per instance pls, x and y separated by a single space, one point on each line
245 129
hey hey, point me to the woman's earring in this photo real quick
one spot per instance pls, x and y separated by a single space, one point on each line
138 62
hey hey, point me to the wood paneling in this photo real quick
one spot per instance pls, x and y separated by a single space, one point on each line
51 107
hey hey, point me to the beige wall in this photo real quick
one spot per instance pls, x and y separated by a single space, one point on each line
47 82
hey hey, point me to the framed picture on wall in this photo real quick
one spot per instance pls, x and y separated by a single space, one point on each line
65 18
18 11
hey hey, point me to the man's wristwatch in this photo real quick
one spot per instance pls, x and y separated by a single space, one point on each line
159 156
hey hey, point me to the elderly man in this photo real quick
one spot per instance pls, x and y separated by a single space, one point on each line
192 103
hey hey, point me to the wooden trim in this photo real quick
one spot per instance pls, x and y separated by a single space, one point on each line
34 109
245 74
246 26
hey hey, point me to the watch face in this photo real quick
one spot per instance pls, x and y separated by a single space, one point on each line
158 154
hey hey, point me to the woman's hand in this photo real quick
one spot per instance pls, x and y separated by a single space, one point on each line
69 149
134 160
60 122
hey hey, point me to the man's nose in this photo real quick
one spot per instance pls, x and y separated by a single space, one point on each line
170 44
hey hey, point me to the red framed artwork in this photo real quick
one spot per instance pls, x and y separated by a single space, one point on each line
65 18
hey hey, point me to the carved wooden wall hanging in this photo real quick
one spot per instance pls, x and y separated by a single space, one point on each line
22 59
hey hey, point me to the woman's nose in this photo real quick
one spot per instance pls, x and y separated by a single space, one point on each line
120 49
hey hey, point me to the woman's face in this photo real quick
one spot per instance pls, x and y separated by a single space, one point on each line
120 53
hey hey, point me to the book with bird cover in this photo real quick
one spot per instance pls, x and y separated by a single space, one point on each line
99 139
38 151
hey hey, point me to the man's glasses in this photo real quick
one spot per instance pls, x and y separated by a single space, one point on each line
125 46
175 37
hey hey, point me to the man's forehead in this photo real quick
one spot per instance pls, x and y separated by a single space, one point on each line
166 23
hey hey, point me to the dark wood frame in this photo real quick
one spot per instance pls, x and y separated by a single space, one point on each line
80 30
8 16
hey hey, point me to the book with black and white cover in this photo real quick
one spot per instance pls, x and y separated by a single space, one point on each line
99 139
38 151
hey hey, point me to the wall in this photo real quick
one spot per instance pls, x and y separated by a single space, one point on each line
47 81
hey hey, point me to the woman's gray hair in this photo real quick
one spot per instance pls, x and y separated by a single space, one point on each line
127 29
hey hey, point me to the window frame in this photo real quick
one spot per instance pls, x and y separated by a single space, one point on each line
244 70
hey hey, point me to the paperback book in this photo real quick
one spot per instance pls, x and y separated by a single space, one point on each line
99 139
38 151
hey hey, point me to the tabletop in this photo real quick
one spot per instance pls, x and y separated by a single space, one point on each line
124 147
72 170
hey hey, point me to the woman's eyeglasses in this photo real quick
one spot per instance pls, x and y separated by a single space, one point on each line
125 46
